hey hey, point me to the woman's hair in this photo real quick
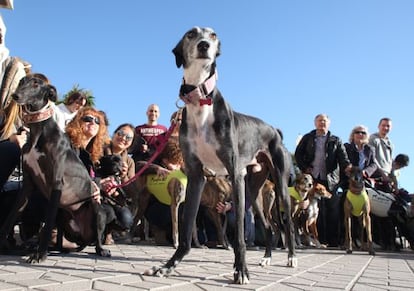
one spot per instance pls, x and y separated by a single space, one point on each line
359 128
76 135
11 116
72 98
125 125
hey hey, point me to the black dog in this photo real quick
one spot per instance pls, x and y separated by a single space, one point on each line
111 166
52 167
213 136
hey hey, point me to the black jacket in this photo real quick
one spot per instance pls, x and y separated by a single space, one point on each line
336 157
369 166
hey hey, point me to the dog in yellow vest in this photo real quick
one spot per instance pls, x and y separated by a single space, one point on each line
357 204
298 194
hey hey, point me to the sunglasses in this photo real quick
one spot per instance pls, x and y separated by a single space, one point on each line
122 133
89 118
360 132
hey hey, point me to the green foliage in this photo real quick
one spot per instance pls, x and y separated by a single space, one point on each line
90 99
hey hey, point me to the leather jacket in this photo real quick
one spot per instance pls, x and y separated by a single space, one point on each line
336 157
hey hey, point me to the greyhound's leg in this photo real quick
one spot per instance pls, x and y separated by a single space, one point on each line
177 194
101 222
142 201
195 186
254 182
46 233
282 161
367 220
347 223
216 219
241 274
174 221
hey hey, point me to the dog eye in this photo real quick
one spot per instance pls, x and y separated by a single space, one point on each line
213 36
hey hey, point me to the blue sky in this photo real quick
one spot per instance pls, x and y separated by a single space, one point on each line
282 61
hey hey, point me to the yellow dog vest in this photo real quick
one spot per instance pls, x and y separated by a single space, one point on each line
158 186
357 201
295 194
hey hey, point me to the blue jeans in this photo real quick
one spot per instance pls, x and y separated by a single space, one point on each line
249 226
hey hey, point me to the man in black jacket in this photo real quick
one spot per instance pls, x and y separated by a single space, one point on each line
323 155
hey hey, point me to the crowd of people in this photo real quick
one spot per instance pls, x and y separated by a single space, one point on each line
319 153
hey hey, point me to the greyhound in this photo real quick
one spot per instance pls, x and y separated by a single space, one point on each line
215 137
52 166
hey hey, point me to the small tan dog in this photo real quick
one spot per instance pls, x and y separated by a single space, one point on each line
357 204
309 215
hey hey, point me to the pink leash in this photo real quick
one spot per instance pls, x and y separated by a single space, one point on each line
158 150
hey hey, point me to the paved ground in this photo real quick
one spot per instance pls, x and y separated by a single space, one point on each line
209 270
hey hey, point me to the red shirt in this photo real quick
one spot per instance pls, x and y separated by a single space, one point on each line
150 132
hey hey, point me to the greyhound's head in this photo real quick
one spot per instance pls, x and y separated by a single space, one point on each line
197 52
356 180
303 184
34 93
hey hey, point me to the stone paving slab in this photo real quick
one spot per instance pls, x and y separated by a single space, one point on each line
208 269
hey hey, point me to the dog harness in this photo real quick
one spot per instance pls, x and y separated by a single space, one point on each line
358 201
158 186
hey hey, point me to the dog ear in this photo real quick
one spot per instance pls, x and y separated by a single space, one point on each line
51 93
178 53
218 49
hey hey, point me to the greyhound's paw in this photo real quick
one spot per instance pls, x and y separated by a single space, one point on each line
158 271
265 261
349 251
103 252
292 261
241 277
37 257
372 252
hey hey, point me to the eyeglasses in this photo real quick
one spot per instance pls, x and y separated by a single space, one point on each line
89 118
122 133
360 132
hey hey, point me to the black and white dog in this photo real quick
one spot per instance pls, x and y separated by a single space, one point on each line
215 137
51 166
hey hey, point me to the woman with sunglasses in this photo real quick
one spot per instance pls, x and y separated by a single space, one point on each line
360 153
119 145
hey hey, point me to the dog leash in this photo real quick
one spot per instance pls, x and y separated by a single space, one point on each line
158 150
